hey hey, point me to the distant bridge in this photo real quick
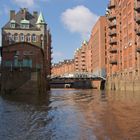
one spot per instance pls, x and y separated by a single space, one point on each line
78 76
76 80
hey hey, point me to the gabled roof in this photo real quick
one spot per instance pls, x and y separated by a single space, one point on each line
24 17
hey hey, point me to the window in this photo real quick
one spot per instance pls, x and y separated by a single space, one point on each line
13 37
22 37
41 39
16 37
10 38
24 24
12 25
28 38
34 38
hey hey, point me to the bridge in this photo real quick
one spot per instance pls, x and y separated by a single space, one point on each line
78 80
78 75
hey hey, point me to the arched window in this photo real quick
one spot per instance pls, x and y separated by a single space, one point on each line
28 38
41 40
9 38
16 37
22 37
34 38
41 37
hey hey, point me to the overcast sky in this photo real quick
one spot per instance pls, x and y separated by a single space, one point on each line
70 21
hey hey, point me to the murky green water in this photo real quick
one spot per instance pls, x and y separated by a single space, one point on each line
71 115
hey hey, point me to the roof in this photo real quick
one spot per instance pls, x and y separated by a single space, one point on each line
12 21
24 21
85 42
40 19
24 17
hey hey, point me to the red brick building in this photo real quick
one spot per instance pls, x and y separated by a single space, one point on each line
97 43
26 27
63 68
123 68
22 55
80 58
26 50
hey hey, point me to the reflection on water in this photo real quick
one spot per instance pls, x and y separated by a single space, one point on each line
71 115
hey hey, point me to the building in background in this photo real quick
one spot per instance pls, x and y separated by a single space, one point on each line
81 59
26 46
97 43
90 57
123 67
65 68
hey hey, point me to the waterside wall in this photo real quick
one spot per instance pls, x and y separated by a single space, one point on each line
124 82
25 81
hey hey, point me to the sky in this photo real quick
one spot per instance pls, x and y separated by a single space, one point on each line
70 21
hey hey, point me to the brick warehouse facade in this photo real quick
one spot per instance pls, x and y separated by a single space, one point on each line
123 67
22 55
63 68
26 43
97 42
91 57
80 58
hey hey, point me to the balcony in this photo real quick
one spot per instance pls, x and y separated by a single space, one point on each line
83 60
83 56
137 6
111 5
113 61
113 42
137 19
82 52
138 31
113 33
113 50
138 49
112 25
111 17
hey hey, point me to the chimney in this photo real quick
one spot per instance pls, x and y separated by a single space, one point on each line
12 14
24 13
35 14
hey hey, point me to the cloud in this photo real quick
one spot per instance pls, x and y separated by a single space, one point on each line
79 20
27 3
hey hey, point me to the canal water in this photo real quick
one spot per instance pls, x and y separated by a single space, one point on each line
71 115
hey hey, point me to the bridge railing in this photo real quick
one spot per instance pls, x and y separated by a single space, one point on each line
78 75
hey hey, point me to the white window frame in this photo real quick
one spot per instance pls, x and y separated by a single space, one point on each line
34 37
28 38
13 25
22 38
16 38
24 26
